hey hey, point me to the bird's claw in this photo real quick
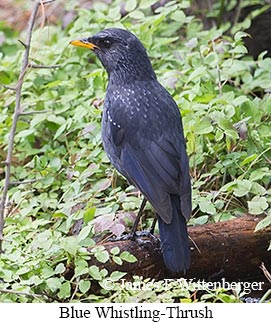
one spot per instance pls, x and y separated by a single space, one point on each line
145 234
139 236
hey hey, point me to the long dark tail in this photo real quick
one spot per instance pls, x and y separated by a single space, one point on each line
174 240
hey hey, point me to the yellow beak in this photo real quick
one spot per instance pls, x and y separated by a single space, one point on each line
82 43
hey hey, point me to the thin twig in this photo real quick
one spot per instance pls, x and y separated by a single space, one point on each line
9 291
265 297
17 112
42 14
237 12
9 87
33 295
25 113
22 43
43 66
221 13
47 1
194 243
75 289
27 181
265 272
218 70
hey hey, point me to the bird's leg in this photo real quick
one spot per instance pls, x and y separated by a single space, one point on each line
134 235
139 214
141 236
152 228
147 233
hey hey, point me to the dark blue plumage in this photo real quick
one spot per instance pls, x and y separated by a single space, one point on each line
142 134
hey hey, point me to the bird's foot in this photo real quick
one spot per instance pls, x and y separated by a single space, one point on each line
145 237
145 234
124 237
142 237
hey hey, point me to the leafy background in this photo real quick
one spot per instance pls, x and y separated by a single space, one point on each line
224 98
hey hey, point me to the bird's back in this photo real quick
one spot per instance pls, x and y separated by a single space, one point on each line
141 121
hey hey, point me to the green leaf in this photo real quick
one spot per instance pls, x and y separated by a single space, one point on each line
53 283
84 286
81 267
60 130
239 35
115 250
38 118
53 83
257 189
179 16
46 272
116 275
56 119
145 4
60 268
211 59
265 222
240 100
130 5
65 290
259 174
56 164
4 78
35 280
15 256
95 272
127 256
58 215
249 159
89 214
257 205
239 49
84 233
219 135
137 14
207 206
117 260
203 127
201 220
114 14
104 272
225 124
242 187
101 185
70 245
102 256
25 133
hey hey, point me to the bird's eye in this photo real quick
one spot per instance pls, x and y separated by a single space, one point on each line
106 43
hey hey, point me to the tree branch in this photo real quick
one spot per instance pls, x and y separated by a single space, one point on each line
231 250
17 112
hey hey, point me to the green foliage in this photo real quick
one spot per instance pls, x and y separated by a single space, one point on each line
224 97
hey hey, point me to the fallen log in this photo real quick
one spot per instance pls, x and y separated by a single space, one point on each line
229 249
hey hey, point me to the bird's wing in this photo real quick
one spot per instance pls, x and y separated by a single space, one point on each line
152 153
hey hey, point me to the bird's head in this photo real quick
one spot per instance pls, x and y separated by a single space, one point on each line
121 53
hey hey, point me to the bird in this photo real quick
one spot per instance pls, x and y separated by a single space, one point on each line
142 134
